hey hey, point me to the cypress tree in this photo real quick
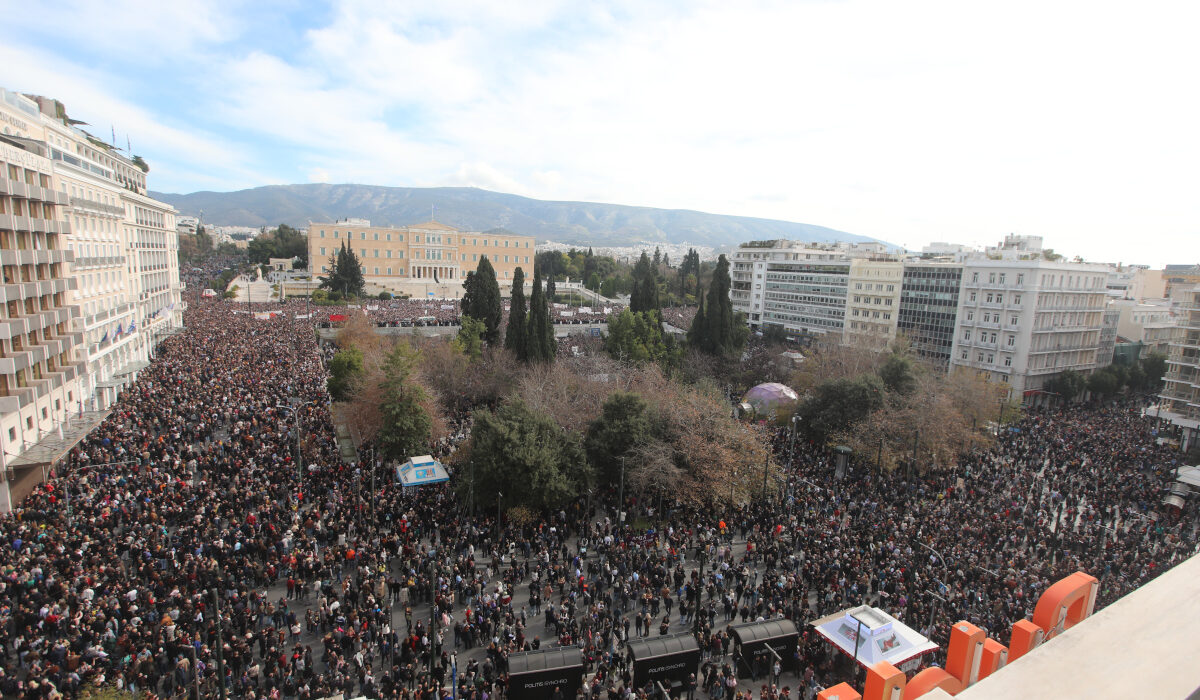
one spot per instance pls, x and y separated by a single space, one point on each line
514 336
539 339
481 299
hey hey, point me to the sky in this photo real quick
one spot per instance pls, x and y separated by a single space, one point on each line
912 122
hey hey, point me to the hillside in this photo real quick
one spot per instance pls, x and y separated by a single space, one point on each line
581 223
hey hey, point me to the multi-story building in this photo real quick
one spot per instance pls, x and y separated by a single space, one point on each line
430 258
873 302
1022 321
1181 387
106 193
929 308
1108 336
152 249
40 358
800 287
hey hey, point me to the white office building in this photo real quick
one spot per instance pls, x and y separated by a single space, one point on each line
1022 321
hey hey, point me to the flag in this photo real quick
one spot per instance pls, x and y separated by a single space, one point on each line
104 338
430 293
132 326
120 330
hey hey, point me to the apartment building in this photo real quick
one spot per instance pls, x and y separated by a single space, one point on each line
1022 321
40 362
800 287
1180 397
928 312
430 255
873 302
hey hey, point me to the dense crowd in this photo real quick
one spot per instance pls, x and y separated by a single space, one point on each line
183 526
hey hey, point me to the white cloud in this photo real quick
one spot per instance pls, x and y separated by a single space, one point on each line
917 121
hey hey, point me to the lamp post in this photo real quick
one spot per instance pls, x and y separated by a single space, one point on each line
945 568
795 427
499 495
220 643
916 442
621 496
699 587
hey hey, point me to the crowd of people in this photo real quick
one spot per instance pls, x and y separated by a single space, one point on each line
182 544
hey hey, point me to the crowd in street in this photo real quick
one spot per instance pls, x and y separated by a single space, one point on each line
181 545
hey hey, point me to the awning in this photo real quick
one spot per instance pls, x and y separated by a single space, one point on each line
131 368
1189 476
111 383
1174 500
421 471
870 635
50 449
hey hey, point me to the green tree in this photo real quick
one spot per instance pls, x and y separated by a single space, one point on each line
469 340
481 299
1154 368
1104 383
635 336
624 423
774 334
526 456
716 330
345 273
539 335
839 404
644 296
1067 384
345 370
897 374
551 291
609 287
405 425
593 282
515 332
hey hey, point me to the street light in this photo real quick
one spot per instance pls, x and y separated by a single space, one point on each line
295 408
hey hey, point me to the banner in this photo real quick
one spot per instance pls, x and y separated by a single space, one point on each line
566 313
263 315
608 310
337 317
447 306
585 309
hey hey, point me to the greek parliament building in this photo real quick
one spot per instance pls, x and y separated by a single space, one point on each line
429 259
90 284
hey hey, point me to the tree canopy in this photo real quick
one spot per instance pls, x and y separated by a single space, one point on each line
481 299
405 426
345 273
524 455
715 329
282 242
516 332
540 345
635 336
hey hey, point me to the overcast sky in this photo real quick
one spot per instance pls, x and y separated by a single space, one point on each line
910 121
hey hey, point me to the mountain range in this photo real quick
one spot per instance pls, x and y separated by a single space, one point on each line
472 209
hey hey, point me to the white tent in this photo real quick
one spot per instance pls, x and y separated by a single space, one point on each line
877 635
421 471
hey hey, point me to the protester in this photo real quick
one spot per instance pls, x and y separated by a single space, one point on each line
184 522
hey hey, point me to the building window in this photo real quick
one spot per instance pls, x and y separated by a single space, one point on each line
972 299
376 236
1017 299
322 233
322 251
975 277
1012 340
1008 362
